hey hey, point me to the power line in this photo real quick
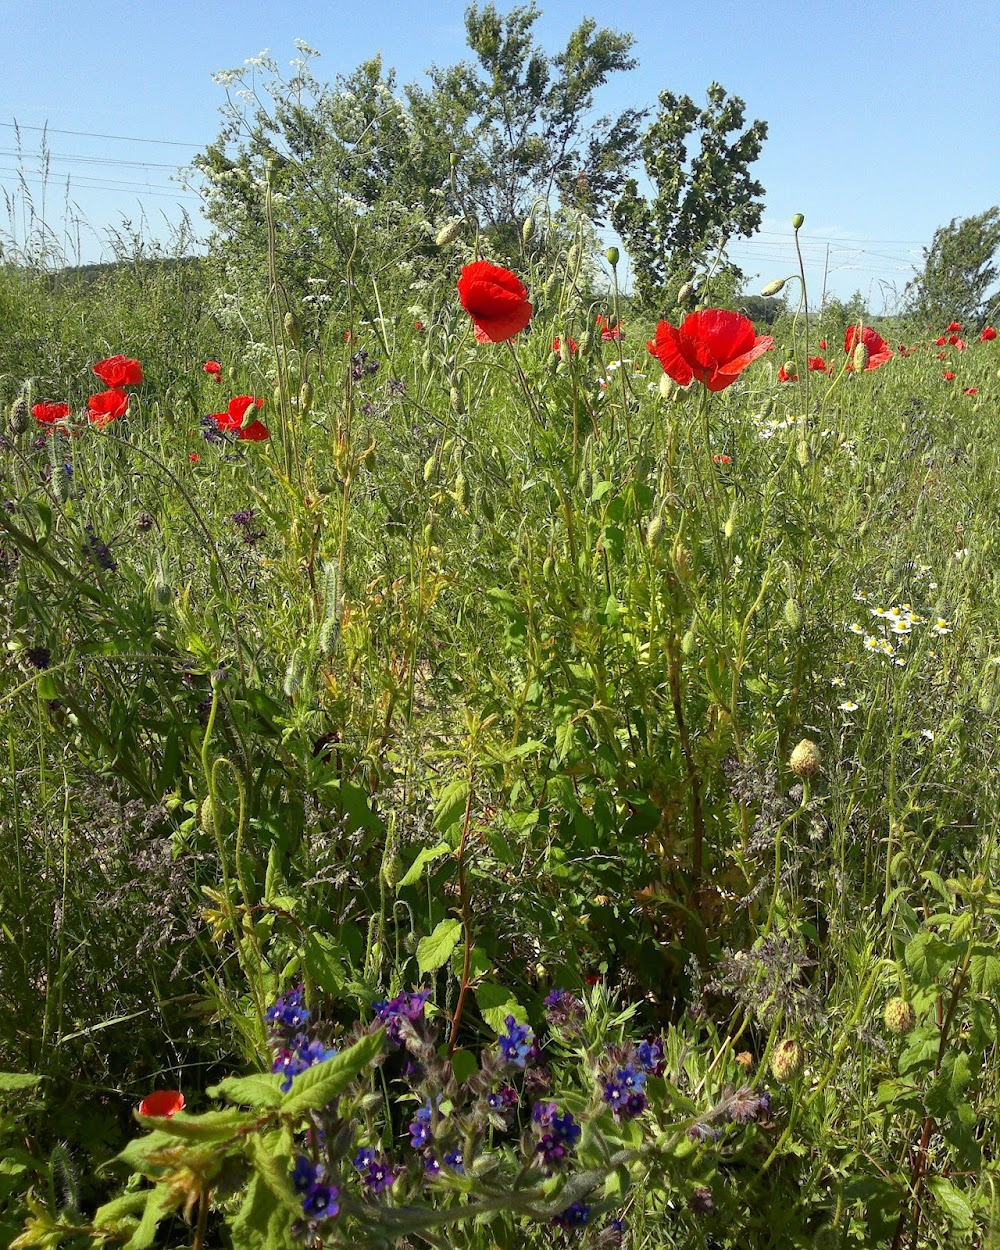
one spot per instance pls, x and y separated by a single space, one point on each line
90 134
72 158
102 184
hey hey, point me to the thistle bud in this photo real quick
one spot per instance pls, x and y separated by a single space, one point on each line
786 1060
798 221
450 232
292 328
19 414
305 396
655 532
612 255
793 617
773 288
861 358
805 760
899 1017
528 229
162 591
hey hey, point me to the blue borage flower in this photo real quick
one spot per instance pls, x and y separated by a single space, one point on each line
515 1043
376 1174
560 1135
319 1201
288 1014
576 1215
392 1012
624 1092
300 1054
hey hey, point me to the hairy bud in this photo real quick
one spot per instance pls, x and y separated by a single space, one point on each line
805 760
786 1060
774 287
450 232
305 396
528 229
899 1017
19 414
861 358
292 328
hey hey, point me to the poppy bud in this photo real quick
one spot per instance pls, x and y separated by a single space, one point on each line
430 467
788 368
793 616
730 527
654 532
455 401
688 642
798 221
899 1017
612 255
774 287
392 866
449 233
861 358
786 1060
305 396
549 289
528 229
685 293
295 672
573 257
583 343
669 389
453 159
461 492
548 568
802 452
19 414
805 760
565 351
206 816
162 590
292 328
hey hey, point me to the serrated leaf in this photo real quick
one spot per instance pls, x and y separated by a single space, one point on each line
496 1003
136 1153
120 1207
427 856
319 1085
159 1204
262 1222
434 951
925 955
450 806
257 1090
952 1202
984 970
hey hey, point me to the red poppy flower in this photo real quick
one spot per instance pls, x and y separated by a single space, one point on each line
785 376
213 368
418 326
822 345
817 364
988 335
164 1102
879 350
232 419
954 325
495 299
948 375
106 406
723 459
940 342
714 346
942 355
194 457
971 390
557 344
610 333
48 413
119 371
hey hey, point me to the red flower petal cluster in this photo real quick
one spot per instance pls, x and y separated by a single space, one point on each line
954 325
163 1102
48 413
785 376
213 368
572 343
232 419
948 375
495 299
817 364
879 350
610 333
713 346
971 390
988 335
119 371
106 406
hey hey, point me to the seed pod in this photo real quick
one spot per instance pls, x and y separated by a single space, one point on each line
450 232
805 760
427 360
612 255
899 1017
655 531
793 615
730 526
798 221
861 358
295 672
786 1060
206 816
305 396
19 414
548 568
773 288
291 325
455 401
685 293
528 229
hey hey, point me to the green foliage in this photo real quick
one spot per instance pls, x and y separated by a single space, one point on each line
960 273
703 199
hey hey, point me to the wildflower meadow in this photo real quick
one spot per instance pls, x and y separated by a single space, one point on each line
487 763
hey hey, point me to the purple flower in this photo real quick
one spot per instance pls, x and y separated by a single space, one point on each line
563 1009
420 1127
305 1174
289 1014
301 1054
624 1092
515 1043
562 1135
576 1215
649 1056
746 1105
376 1174
321 1202
431 1166
455 1160
502 1099
393 1012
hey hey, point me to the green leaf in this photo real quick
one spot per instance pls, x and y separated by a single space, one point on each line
322 959
159 1203
120 1207
257 1090
210 1126
496 1003
464 1065
136 1153
450 806
952 1202
984 970
319 1085
434 951
262 1222
427 856
11 1081
926 954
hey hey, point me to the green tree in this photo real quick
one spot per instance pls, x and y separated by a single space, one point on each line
702 201
960 270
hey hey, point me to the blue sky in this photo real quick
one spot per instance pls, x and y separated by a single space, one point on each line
883 118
